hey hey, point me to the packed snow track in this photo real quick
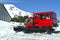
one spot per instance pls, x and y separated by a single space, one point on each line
7 33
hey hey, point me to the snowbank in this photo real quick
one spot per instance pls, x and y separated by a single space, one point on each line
7 33
58 28
15 24
5 28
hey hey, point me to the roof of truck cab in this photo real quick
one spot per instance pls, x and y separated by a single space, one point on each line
44 12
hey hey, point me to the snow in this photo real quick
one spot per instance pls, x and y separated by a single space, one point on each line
7 33
17 24
14 11
58 28
5 28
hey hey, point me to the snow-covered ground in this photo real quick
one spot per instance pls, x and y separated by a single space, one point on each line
7 33
58 28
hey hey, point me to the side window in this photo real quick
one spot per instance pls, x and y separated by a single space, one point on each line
28 20
48 15
36 15
42 16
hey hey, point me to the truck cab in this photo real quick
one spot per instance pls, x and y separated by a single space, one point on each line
42 20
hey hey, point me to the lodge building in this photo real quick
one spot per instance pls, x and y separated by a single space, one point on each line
4 15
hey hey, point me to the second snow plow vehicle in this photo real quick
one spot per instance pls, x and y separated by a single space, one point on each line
41 21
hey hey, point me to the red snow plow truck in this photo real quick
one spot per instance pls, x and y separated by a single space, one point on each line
41 21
